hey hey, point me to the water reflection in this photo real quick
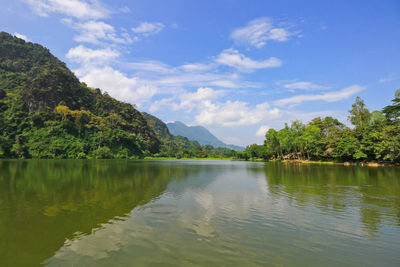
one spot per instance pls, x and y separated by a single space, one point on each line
373 194
43 203
124 213
194 221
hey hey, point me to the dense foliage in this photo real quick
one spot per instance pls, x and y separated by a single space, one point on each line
375 137
45 112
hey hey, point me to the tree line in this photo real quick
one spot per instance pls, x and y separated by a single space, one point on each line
375 136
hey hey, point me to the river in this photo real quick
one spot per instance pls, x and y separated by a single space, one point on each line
197 212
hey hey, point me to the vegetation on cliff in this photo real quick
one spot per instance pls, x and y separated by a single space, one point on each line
46 112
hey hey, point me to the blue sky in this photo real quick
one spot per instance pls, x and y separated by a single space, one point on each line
235 67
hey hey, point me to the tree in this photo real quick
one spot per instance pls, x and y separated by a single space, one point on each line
272 142
393 111
285 140
377 118
296 132
359 114
310 137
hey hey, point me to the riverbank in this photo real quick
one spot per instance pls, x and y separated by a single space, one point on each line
190 158
369 164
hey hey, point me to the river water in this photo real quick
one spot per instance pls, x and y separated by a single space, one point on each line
195 212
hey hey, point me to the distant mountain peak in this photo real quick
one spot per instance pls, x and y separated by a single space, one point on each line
198 133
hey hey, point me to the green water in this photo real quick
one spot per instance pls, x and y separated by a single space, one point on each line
189 213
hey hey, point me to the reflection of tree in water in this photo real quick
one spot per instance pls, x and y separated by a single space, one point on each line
336 189
44 202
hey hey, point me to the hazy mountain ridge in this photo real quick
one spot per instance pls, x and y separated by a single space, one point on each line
199 134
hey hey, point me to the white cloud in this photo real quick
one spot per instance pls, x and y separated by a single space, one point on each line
193 75
202 94
84 55
148 28
21 36
327 97
262 130
161 78
124 9
178 79
79 9
196 67
306 86
95 32
227 84
236 113
150 66
259 31
390 78
233 58
117 84
188 100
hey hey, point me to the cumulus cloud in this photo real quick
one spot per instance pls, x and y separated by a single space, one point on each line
262 130
327 97
148 28
233 58
21 36
117 84
79 9
84 16
202 94
234 113
259 31
84 55
306 86
189 100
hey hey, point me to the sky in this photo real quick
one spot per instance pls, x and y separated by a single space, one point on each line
235 67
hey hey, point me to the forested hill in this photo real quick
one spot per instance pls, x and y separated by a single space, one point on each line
45 112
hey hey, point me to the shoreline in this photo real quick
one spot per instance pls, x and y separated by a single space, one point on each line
361 164
191 158
347 163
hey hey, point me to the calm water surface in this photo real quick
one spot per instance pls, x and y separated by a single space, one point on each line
171 212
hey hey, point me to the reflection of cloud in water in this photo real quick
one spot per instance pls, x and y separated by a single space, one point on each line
197 211
222 212
103 241
227 198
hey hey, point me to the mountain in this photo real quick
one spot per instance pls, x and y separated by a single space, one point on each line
199 134
46 112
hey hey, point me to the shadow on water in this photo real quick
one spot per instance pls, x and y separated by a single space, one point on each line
45 202
337 190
